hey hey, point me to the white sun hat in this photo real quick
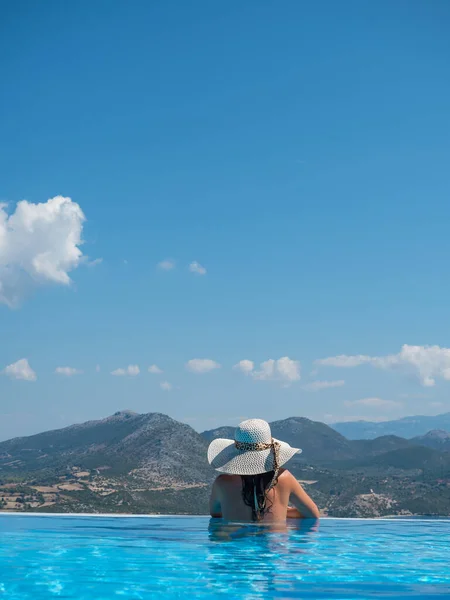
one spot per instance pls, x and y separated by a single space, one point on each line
252 452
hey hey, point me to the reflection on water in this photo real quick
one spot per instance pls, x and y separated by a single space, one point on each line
224 531
260 554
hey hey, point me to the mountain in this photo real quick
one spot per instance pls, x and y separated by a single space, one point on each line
380 445
407 427
414 457
320 443
437 439
149 446
221 432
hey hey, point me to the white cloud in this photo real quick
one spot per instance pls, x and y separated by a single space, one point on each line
245 366
20 370
67 371
344 361
131 370
166 265
316 386
283 369
426 362
436 404
95 262
166 386
155 370
375 403
288 369
197 268
39 244
266 370
97 369
201 365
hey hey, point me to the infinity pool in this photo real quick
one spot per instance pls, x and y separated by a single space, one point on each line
96 558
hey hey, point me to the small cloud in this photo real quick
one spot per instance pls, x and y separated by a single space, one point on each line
95 262
20 370
67 371
155 370
316 386
166 265
288 369
97 369
245 366
131 371
436 404
197 268
344 361
166 386
266 370
283 369
201 365
375 403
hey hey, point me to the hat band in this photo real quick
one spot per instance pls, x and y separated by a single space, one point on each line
274 446
249 446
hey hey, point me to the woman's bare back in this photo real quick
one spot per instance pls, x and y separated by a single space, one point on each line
227 502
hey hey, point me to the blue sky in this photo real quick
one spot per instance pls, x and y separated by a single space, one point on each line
299 152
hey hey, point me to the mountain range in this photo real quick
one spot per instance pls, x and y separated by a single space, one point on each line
407 427
324 446
142 463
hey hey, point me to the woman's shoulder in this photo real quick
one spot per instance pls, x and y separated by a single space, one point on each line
285 476
284 473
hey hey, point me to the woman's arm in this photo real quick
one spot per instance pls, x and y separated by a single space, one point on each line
305 507
293 513
214 503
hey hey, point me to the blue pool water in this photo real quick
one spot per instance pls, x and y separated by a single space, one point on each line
96 558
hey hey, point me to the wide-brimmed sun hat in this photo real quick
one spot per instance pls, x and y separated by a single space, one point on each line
252 452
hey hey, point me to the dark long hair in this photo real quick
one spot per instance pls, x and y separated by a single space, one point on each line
258 483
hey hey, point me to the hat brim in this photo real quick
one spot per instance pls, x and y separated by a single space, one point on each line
226 458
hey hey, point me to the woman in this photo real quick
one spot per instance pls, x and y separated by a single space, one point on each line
253 486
